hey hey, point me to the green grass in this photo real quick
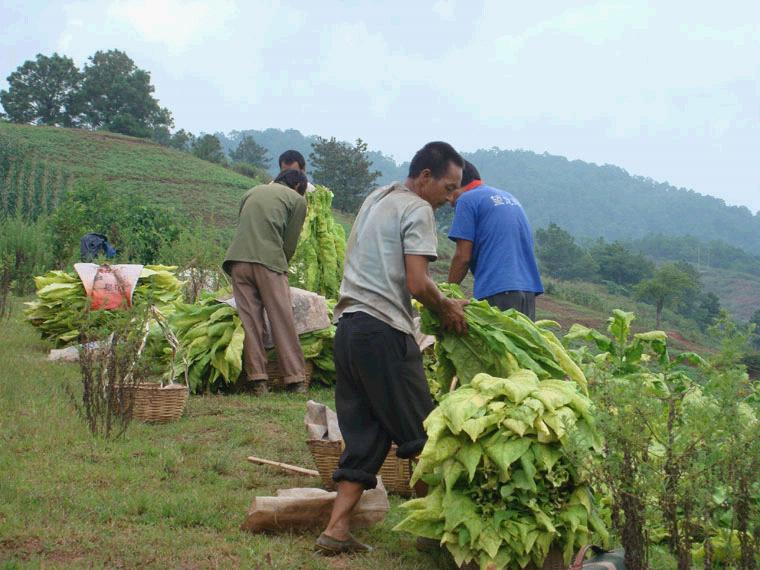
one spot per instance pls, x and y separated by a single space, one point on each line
132 166
170 496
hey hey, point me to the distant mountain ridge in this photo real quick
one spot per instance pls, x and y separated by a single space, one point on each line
587 200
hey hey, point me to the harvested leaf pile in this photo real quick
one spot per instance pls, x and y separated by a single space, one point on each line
317 264
497 343
500 461
211 335
61 301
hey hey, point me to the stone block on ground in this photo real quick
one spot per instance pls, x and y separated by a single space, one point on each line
309 508
68 354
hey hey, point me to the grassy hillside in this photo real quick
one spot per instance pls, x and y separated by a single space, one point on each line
738 292
41 163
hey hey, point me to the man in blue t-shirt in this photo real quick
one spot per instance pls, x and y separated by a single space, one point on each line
494 240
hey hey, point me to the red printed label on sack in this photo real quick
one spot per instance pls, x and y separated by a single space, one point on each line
109 290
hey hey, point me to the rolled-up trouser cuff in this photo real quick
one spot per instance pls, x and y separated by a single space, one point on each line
368 480
410 448
257 377
294 379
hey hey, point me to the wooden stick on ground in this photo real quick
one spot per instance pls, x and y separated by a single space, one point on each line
284 466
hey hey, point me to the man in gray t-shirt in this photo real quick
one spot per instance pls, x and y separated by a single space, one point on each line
393 222
381 393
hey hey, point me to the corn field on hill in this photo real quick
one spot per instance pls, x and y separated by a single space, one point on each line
39 164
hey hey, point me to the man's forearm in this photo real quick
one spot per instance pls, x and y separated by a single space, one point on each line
429 295
458 269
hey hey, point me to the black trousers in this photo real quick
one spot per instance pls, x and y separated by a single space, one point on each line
381 396
523 301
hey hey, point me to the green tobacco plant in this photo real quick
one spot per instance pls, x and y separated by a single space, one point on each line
317 264
727 490
503 487
650 440
61 303
497 343
212 337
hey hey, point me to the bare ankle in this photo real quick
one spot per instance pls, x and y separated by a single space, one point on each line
337 533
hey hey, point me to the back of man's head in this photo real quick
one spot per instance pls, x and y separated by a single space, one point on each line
291 158
434 156
294 179
469 173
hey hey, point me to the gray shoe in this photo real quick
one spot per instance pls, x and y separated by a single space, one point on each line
259 387
329 546
296 388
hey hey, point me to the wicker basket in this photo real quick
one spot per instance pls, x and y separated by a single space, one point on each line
275 374
153 403
554 561
395 472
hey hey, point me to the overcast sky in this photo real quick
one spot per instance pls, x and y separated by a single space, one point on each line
667 89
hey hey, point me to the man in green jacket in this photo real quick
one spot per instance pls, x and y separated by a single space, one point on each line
271 218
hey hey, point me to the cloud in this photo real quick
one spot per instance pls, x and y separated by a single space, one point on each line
359 60
445 9
174 23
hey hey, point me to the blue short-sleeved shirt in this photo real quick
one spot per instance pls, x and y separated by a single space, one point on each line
502 252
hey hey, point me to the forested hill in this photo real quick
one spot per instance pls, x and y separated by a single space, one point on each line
591 201
586 199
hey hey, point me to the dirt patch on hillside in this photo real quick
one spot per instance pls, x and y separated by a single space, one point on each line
681 343
565 315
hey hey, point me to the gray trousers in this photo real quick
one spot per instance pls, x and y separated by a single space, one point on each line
523 301
257 288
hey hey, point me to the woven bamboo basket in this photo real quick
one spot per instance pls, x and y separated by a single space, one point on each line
153 403
275 374
395 472
554 561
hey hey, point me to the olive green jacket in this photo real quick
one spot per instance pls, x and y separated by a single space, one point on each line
270 221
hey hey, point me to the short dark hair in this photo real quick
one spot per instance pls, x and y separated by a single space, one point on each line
294 179
469 173
291 156
434 156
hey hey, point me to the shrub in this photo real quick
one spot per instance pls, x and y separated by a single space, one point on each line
260 175
198 253
24 253
137 228
110 364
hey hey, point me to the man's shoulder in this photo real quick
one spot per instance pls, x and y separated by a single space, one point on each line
273 195
260 189
398 195
282 191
